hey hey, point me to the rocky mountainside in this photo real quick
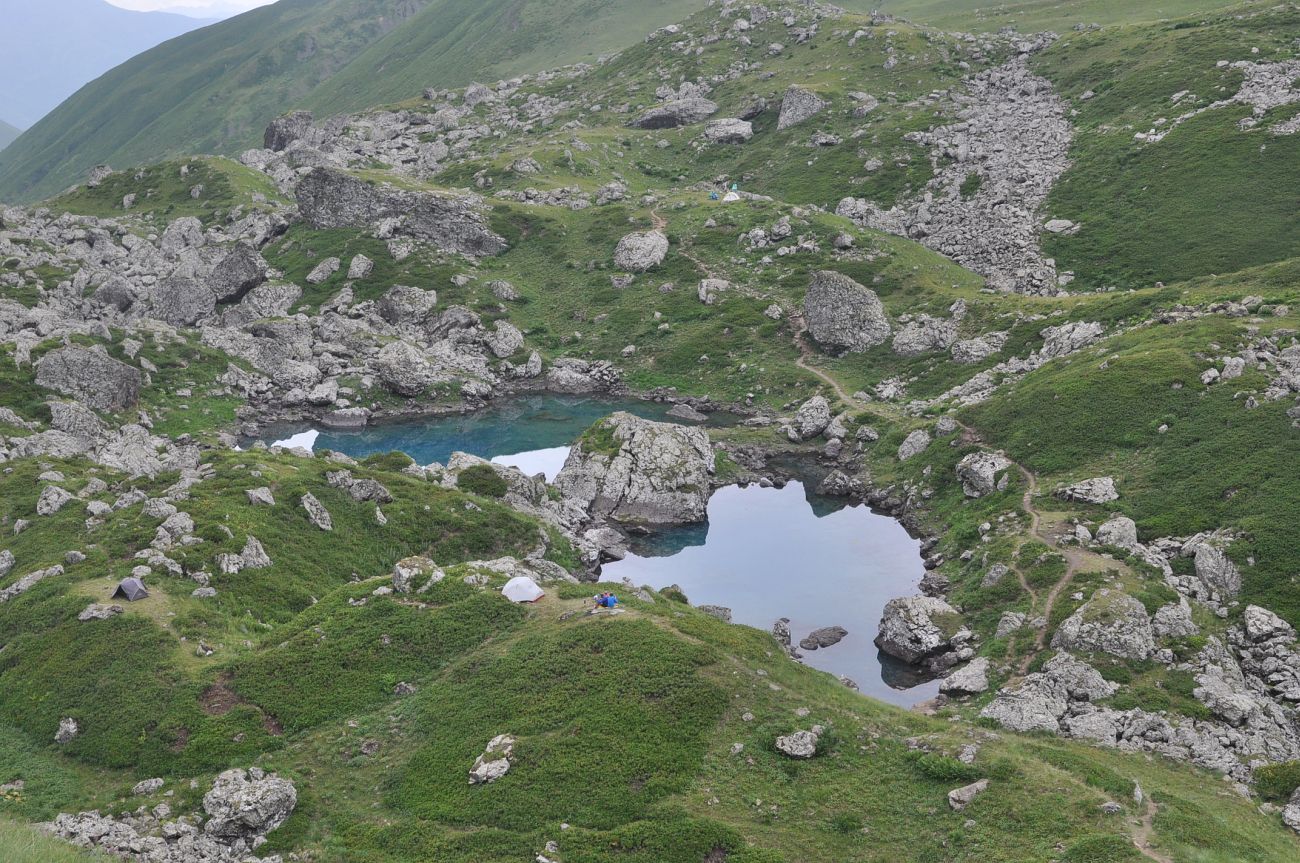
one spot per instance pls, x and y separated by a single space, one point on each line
898 254
214 91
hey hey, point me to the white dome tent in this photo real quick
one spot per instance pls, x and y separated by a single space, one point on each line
521 588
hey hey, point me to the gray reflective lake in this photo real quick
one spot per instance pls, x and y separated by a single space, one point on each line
765 553
768 553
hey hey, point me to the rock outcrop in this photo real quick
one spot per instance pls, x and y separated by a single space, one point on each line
329 198
923 631
982 473
91 376
629 469
797 105
1111 622
641 251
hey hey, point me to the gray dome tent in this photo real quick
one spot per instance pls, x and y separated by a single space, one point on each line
130 589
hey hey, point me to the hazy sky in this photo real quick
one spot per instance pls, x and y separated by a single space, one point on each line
201 8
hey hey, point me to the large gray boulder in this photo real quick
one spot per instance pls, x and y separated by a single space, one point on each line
403 304
181 302
916 442
404 370
812 419
1099 489
1291 812
640 251
247 804
971 679
329 198
241 270
798 105
728 131
1119 531
916 628
91 376
630 469
842 315
677 112
1111 622
983 473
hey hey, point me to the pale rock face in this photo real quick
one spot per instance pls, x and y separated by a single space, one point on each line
68 729
91 376
1096 490
52 500
842 315
799 744
494 762
641 251
960 798
1040 700
404 369
244 804
1215 569
1111 622
979 348
908 630
812 418
983 473
1119 531
925 334
317 514
96 611
728 131
914 444
402 304
659 473
675 113
1174 620
798 105
971 679
1068 338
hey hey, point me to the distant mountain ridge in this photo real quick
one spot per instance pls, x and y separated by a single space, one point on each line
50 48
214 90
8 133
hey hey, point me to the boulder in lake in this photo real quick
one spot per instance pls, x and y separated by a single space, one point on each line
631 469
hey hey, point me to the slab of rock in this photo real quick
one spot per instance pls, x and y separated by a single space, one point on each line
494 762
360 267
983 473
1040 700
797 105
641 251
91 376
1174 620
675 113
1111 622
842 315
728 131
68 729
148 786
98 611
402 304
721 612
52 499
240 271
260 496
317 514
960 798
684 411
1291 812
181 302
1216 570
826 636
1099 489
914 444
971 679
323 270
634 470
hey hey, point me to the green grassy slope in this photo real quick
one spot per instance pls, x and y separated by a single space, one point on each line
214 91
454 42
1031 15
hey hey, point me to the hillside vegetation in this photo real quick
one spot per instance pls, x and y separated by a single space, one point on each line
367 655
